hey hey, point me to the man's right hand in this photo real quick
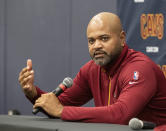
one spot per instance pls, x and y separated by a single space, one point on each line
26 80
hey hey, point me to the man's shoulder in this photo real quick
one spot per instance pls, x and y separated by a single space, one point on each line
137 61
89 68
90 65
135 57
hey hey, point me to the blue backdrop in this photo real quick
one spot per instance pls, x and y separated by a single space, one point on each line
144 23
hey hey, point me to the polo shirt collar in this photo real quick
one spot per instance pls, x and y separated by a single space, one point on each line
112 68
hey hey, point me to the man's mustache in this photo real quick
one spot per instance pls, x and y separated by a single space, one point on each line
99 52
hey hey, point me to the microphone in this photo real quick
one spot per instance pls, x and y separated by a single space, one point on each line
67 83
137 124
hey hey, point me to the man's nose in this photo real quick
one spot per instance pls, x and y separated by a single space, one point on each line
98 44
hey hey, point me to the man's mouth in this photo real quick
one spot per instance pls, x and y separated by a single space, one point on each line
98 54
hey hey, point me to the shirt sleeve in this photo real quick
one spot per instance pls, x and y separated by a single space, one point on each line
79 93
76 95
39 93
134 96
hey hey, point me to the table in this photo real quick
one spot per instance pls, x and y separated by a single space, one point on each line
36 123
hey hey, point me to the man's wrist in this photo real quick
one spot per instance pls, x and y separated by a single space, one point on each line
60 112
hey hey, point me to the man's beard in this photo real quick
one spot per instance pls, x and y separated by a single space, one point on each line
102 61
106 59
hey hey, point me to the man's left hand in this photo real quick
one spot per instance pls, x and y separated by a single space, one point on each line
50 103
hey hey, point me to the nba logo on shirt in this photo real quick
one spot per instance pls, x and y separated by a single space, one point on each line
136 75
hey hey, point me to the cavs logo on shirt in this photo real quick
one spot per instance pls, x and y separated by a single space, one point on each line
136 75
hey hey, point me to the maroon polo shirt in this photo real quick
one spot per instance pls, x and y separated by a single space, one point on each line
138 89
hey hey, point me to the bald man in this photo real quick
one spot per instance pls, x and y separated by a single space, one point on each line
124 83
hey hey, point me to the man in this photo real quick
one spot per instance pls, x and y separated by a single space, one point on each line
124 83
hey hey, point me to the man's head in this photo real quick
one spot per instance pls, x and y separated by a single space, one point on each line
105 38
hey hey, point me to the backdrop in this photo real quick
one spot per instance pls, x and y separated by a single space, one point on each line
50 32
53 34
144 22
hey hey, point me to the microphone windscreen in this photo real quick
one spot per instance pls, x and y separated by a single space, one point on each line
135 124
68 82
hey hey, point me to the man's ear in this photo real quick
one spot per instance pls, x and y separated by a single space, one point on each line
123 38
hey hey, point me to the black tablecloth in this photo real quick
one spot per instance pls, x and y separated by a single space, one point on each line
36 123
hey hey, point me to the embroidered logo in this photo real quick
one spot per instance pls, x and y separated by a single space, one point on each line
136 75
132 82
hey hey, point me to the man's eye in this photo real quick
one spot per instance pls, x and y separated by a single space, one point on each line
91 41
104 38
